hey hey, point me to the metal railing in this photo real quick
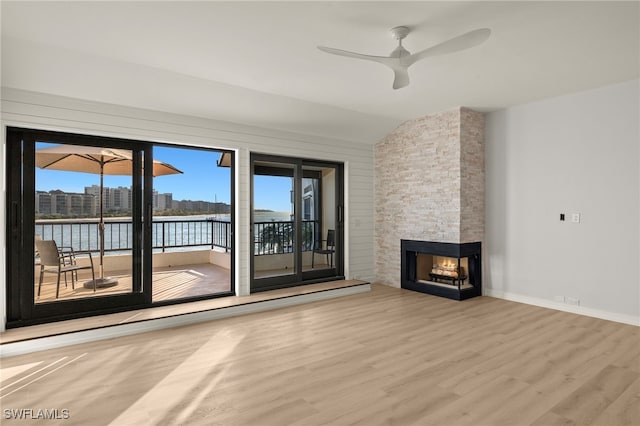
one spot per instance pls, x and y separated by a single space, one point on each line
274 237
168 234
277 237
83 234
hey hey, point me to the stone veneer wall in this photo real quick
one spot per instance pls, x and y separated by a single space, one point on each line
429 185
471 176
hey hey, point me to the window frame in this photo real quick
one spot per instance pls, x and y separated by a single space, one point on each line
20 213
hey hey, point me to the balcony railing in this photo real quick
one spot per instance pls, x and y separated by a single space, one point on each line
278 237
83 234
274 237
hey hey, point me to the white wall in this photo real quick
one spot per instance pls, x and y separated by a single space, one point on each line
572 154
49 112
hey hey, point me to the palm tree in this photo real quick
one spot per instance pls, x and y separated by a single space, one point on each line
307 235
276 237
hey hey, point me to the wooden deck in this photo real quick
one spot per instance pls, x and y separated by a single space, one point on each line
168 283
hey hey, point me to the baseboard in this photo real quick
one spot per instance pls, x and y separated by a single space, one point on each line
580 310
68 339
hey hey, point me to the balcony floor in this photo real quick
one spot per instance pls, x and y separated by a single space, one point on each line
168 283
267 273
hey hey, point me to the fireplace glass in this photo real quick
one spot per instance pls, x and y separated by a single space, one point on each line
442 270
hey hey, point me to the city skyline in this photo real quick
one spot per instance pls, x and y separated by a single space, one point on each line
202 179
73 204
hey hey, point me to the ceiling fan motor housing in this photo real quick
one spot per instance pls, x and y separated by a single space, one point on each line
400 32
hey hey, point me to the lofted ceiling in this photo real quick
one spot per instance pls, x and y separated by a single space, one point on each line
257 62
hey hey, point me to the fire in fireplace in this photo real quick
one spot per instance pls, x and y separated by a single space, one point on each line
443 269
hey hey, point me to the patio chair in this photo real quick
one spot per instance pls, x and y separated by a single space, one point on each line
53 260
69 257
328 250
36 255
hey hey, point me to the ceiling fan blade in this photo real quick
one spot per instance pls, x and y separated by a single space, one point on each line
381 59
464 41
401 77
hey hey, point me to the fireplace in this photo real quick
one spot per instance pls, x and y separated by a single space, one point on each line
443 269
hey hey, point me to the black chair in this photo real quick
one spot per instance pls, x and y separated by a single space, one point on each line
55 261
328 250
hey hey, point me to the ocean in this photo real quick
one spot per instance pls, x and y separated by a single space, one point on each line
169 232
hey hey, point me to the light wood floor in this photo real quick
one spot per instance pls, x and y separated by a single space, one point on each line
156 312
388 356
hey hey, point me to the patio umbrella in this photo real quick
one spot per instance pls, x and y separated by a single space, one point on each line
97 160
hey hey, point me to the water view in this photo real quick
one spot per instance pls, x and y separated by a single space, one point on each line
170 233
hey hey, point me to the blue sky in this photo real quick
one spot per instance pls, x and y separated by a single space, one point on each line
272 193
202 179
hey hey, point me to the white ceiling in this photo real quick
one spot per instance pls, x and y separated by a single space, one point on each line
257 62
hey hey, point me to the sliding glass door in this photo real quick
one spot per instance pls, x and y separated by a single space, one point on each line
192 236
84 206
296 221
274 232
98 225
75 224
319 220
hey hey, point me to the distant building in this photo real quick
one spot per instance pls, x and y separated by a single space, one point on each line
162 201
60 203
95 191
43 203
113 199
201 206
309 199
121 199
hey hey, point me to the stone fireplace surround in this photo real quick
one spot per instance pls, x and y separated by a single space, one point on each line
429 186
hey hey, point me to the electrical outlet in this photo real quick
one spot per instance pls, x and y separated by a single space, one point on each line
573 301
575 218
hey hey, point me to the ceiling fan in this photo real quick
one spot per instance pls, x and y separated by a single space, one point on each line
401 59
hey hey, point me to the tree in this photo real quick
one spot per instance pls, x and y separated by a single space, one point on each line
276 237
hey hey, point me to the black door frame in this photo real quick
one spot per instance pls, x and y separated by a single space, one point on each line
20 210
299 277
21 154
